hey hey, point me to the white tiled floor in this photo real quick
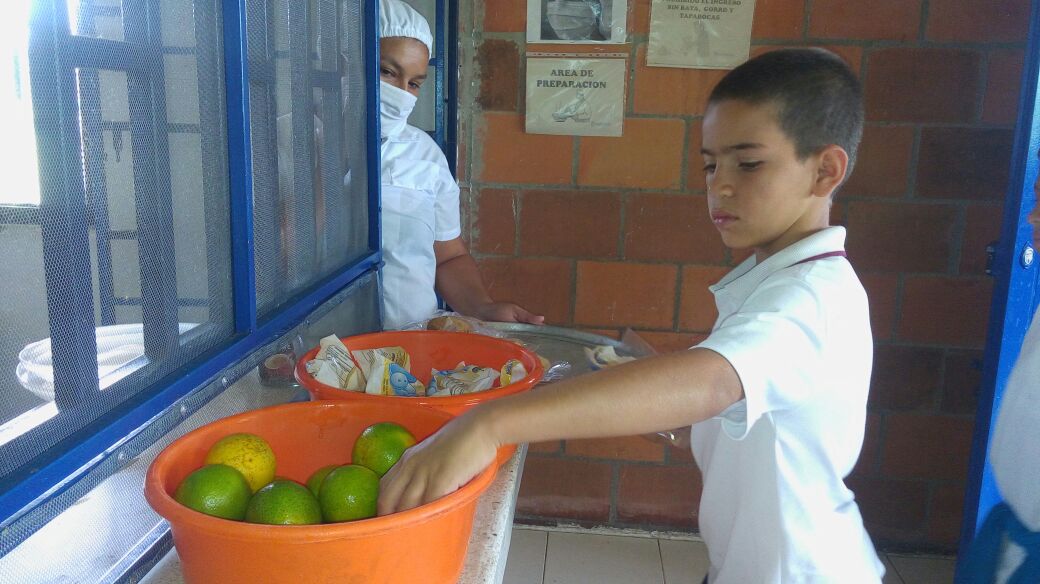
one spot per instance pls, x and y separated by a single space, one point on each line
538 556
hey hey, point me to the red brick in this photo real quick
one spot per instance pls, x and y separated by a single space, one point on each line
883 164
697 310
905 378
542 286
649 155
978 20
659 495
778 19
622 448
882 290
944 520
499 64
570 224
983 228
964 163
513 156
667 342
892 510
637 295
505 16
961 382
671 90
553 447
1003 82
951 311
922 85
870 453
926 446
841 19
900 237
671 228
638 17
496 222
565 489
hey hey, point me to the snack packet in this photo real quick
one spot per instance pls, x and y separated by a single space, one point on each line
461 380
334 366
369 359
512 371
389 378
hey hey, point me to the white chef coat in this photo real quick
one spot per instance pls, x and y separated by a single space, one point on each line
775 508
420 205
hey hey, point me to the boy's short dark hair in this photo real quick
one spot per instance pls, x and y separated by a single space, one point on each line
819 99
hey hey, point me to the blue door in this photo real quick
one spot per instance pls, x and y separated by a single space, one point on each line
1015 295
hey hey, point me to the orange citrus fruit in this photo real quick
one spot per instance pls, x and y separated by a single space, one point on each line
348 493
250 454
381 445
216 490
315 480
283 502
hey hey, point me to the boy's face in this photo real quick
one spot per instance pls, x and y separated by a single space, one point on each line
760 195
403 62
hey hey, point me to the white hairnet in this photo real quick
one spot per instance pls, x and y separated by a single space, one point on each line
398 19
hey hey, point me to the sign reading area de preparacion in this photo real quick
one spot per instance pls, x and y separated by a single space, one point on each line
578 97
702 34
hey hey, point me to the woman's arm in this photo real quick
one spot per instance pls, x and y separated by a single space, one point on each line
459 283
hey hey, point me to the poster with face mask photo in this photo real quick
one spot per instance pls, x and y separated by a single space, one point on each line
577 21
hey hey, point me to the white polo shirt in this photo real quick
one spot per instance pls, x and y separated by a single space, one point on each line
775 508
420 205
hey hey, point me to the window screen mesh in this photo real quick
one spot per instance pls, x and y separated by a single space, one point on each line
123 266
308 155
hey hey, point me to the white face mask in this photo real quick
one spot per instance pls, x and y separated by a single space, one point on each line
395 105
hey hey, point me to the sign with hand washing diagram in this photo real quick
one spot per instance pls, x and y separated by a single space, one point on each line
576 97
701 34
577 21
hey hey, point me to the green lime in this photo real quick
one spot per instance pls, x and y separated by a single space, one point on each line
349 492
314 482
381 445
284 502
215 489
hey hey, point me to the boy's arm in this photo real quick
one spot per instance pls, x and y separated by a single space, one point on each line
655 393
458 282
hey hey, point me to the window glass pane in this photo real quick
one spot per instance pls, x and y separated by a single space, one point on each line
151 202
424 116
102 19
18 166
307 130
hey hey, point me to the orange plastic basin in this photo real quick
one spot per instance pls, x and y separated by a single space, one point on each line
426 544
439 350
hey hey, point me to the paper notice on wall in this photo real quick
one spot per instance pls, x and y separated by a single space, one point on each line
578 97
701 34
577 21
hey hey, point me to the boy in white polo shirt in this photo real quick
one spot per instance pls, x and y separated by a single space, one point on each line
776 395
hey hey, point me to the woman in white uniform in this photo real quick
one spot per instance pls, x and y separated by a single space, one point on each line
422 243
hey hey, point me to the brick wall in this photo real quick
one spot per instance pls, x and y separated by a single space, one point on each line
607 233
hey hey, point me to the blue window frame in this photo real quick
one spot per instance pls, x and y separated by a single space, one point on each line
75 64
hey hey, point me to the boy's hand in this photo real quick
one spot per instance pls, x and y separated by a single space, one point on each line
437 466
508 312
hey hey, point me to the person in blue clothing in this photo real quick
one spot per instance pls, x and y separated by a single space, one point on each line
1007 547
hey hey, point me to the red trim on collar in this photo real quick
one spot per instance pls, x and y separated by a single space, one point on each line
830 254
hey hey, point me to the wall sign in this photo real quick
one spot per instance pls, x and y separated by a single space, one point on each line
576 96
701 34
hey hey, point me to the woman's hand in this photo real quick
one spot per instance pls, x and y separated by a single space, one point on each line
438 465
507 312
